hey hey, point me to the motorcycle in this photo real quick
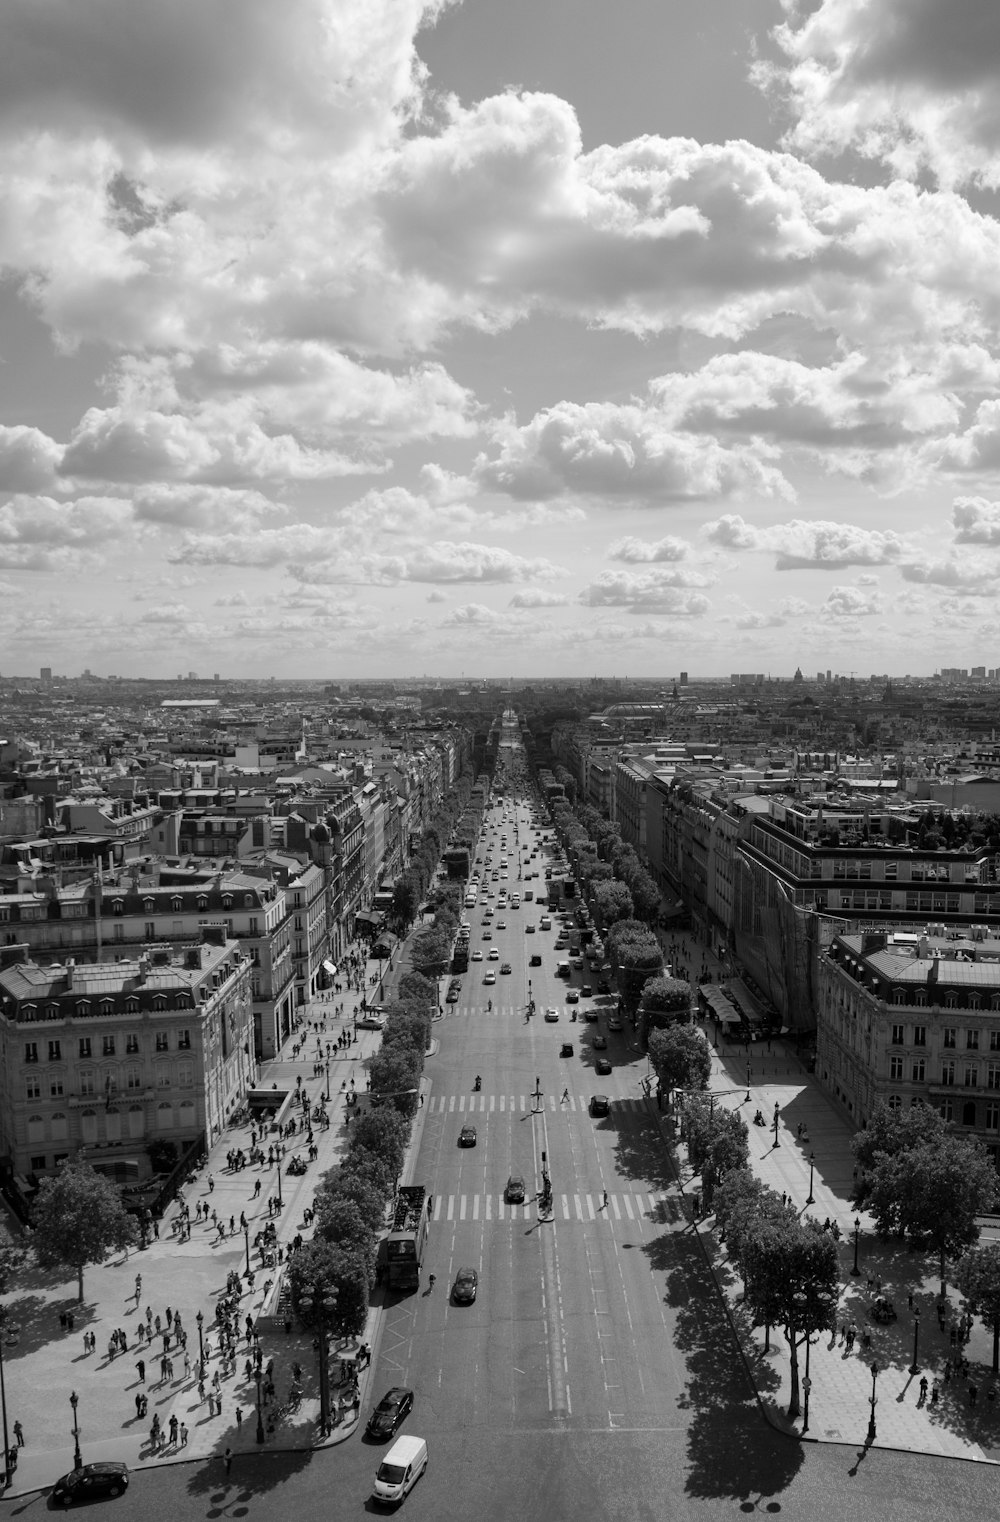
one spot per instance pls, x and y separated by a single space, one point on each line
478 1084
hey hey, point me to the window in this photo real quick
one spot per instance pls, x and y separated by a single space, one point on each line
895 1102
968 1114
897 1035
117 906
919 1070
55 1051
85 1047
149 930
88 1083
995 1041
254 925
185 1074
947 1073
946 1110
38 1164
107 1046
133 1076
993 1075
920 1035
183 1041
161 1041
948 1036
896 1069
162 1076
993 1116
176 905
31 1051
33 1089
972 1041
131 1045
971 1076
56 1088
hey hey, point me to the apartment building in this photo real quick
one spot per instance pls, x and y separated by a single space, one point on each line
113 1055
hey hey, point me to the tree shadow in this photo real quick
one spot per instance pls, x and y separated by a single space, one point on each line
253 1474
37 1322
732 1450
643 1154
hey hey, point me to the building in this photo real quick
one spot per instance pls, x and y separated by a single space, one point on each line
113 1056
908 1018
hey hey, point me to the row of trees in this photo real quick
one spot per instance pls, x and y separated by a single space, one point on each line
413 885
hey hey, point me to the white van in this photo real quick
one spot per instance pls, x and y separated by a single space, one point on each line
400 1470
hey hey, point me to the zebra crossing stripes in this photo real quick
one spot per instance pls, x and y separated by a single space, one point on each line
459 1011
640 1207
522 1104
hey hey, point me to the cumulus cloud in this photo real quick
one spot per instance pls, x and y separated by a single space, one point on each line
976 520
42 534
538 597
801 545
849 602
442 562
974 579
910 82
28 459
437 596
646 592
214 509
643 551
625 452
473 615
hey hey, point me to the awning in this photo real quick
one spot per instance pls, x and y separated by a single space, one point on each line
329 967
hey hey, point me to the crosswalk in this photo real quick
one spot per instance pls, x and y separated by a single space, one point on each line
523 1104
636 1206
499 1011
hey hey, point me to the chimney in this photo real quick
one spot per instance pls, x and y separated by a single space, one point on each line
143 968
70 971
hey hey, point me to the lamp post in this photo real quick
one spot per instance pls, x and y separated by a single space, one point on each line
812 1165
201 1344
748 1084
800 1302
74 1401
327 1096
278 1149
776 1142
246 1244
914 1366
871 1434
318 1304
537 1095
260 1416
3 1400
855 1271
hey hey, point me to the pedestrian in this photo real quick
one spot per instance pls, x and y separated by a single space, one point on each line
184 1435
173 1429
605 1199
565 1093
973 1392
19 1434
239 1418
138 1406
923 1387
227 1459
140 1369
211 1184
187 1365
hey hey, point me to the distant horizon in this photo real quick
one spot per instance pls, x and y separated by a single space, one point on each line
692 680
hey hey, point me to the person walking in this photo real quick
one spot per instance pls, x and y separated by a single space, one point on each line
19 1434
184 1435
227 1459
140 1369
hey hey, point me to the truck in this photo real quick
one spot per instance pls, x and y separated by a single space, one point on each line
401 1252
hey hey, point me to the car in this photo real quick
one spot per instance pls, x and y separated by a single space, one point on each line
599 1043
572 996
371 1023
586 991
551 1014
546 922
602 1066
505 967
614 1024
487 933
603 986
465 1287
467 1136
477 955
490 977
494 955
535 960
578 963
592 1014
501 924
566 1050
91 1482
600 1104
390 1411
514 1192
529 929
452 996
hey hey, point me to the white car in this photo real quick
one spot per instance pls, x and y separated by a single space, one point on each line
371 1023
494 955
551 1015
477 955
490 977
501 924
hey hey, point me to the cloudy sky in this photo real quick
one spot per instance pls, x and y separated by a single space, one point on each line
391 337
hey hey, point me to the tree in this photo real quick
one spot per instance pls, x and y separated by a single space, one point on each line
405 900
666 1001
890 1132
364 1180
384 1133
322 1271
645 896
343 1224
977 1275
395 1072
414 988
429 952
78 1218
791 1278
716 1139
934 1192
681 1057
612 902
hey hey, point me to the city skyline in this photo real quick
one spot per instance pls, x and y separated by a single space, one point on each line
385 337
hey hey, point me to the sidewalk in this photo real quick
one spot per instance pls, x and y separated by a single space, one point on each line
45 1363
841 1381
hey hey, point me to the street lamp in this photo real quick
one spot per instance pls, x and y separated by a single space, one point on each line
747 1101
201 1344
319 1303
855 1271
74 1401
260 1417
812 1165
3 1400
776 1142
328 1077
278 1150
871 1434
914 1366
246 1243
806 1387
801 1303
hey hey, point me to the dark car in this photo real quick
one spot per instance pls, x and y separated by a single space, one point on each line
599 1043
600 1104
452 996
91 1483
535 960
387 1415
465 1287
514 1192
603 986
566 1050
602 1066
467 1136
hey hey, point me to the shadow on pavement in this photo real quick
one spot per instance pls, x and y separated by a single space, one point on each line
252 1474
640 1154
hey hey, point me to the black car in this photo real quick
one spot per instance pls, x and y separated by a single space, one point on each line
465 1287
387 1415
91 1483
600 1104
514 1192
602 1066
467 1136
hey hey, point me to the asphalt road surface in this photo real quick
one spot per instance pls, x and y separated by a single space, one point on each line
594 1376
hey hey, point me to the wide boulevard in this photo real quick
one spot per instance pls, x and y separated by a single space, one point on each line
594 1376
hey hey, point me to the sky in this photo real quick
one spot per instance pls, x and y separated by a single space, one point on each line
403 338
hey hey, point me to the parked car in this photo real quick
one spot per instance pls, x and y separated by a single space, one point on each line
92 1482
371 1022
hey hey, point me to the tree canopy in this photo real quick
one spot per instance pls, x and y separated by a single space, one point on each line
977 1275
681 1057
78 1218
666 1001
934 1191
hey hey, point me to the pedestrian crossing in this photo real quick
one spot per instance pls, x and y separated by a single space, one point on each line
498 1012
631 1206
524 1104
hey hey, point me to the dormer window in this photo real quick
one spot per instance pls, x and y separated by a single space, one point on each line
227 901
177 904
248 900
202 904
117 906
149 904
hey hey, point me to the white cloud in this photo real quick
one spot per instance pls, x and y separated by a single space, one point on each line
974 579
849 602
801 545
976 520
538 597
667 592
911 82
41 534
444 562
215 509
643 551
28 459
